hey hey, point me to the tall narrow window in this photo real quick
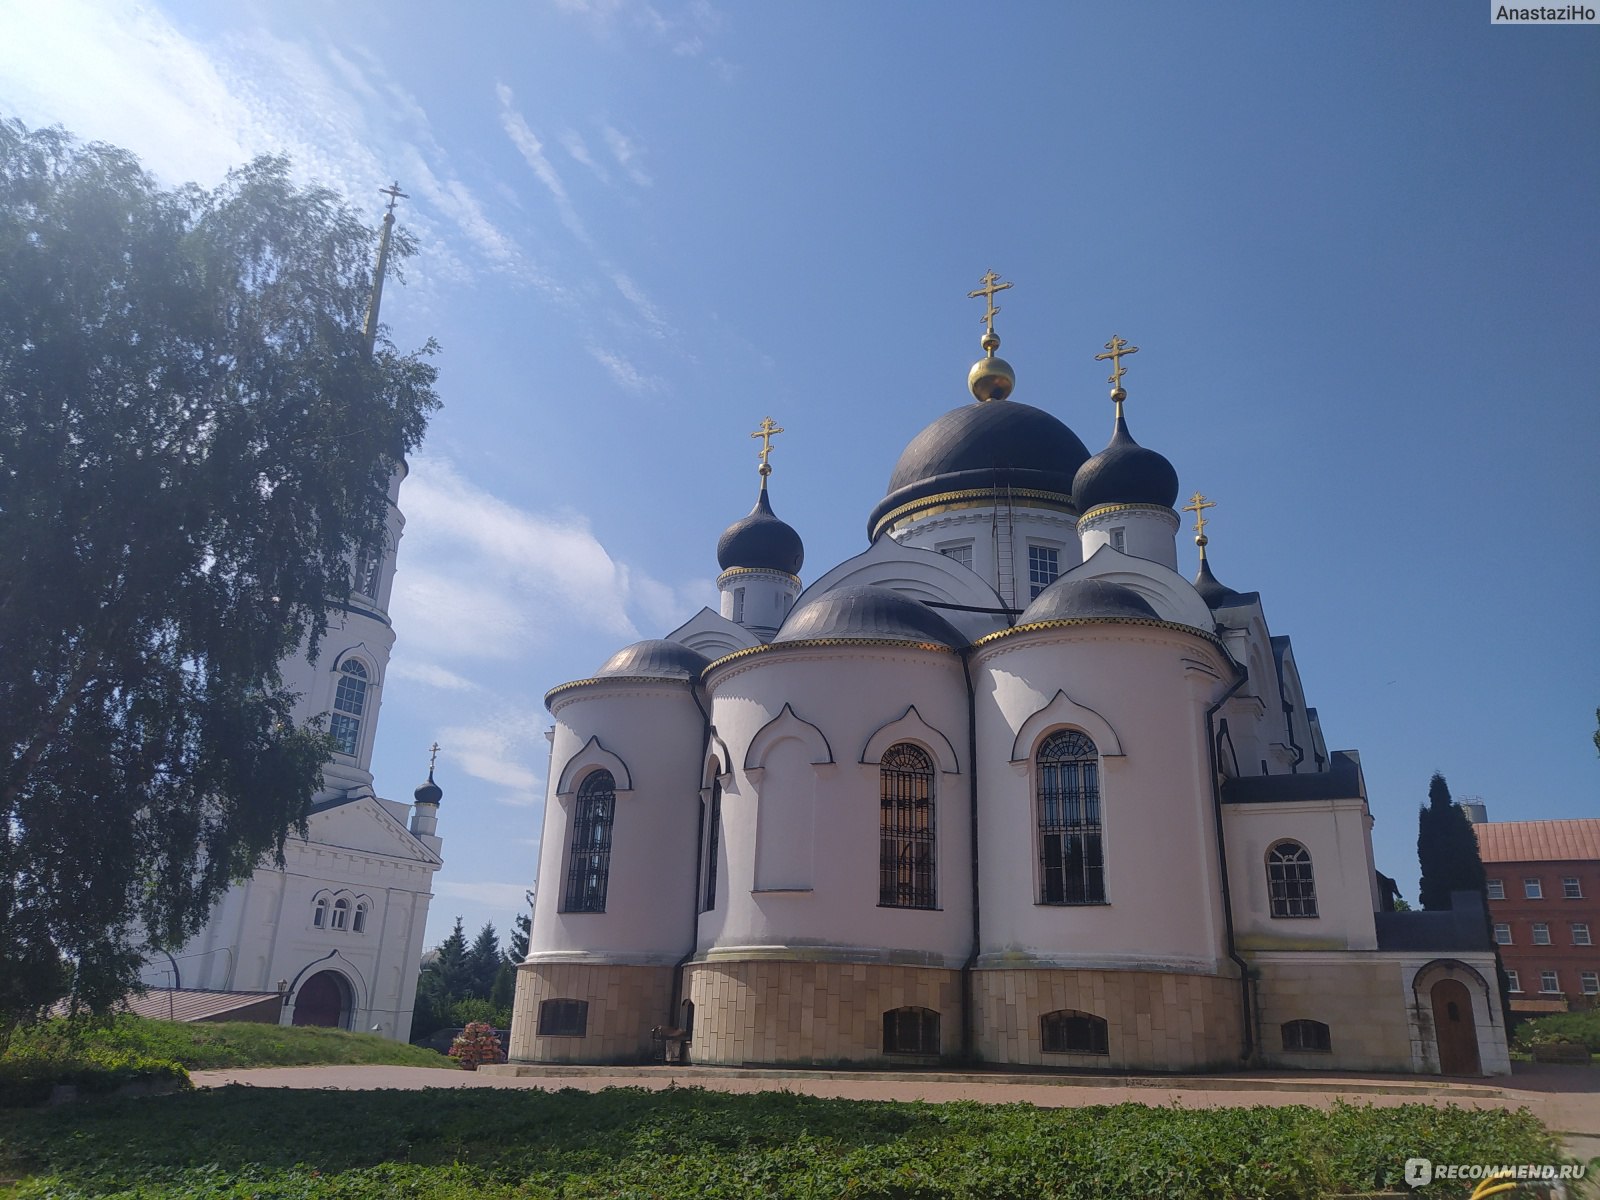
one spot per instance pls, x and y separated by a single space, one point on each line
319 913
359 921
738 604
911 1031
1290 885
1044 564
1119 539
1513 982
1071 856
341 913
590 866
349 703
708 899
905 840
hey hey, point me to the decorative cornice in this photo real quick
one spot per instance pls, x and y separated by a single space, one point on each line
1106 510
939 502
811 642
628 679
1070 622
732 571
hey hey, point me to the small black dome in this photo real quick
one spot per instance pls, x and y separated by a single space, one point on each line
990 444
1212 590
1125 473
430 792
761 540
654 659
867 613
1087 599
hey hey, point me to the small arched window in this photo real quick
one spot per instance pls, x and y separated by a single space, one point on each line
341 913
1307 1036
589 868
1289 881
319 913
1071 852
1071 1032
349 704
911 1031
358 923
906 835
563 1018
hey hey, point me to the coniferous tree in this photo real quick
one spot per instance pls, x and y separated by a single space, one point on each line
1447 849
521 931
483 961
195 445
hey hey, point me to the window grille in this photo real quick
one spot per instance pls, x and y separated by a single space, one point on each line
911 1031
1071 854
1071 1032
349 704
906 837
563 1018
1497 889
1289 881
713 840
1541 933
589 868
1044 564
1307 1036
1571 889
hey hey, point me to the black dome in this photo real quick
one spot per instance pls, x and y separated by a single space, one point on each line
654 659
1087 599
1212 590
430 792
1125 473
761 540
867 613
993 443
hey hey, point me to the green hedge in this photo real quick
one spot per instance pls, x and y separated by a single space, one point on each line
28 1081
1568 1027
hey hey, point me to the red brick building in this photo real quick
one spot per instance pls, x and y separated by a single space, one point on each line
1544 901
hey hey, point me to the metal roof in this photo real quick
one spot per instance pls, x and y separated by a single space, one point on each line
1539 841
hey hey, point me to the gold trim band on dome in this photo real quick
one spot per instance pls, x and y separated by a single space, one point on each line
1069 622
801 643
756 571
1102 510
593 679
970 498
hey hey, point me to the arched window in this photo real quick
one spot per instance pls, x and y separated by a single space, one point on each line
341 913
905 839
1071 1032
1071 855
590 865
911 1031
708 899
1308 1036
319 913
563 1018
358 924
1289 882
349 703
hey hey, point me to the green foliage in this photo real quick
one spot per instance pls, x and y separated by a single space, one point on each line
454 1144
474 1009
93 1070
201 1046
195 446
483 962
1447 849
522 924
1583 1027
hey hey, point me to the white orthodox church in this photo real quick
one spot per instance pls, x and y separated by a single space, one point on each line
1003 788
336 932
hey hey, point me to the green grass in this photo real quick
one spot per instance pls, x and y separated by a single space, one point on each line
448 1144
1572 1026
205 1046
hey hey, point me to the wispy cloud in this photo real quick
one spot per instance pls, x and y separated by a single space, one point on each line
626 151
430 675
572 141
497 750
510 897
532 151
623 372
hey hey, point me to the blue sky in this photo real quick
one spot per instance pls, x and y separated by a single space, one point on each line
1357 245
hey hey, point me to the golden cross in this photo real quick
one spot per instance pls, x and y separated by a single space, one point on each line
433 757
991 285
1117 348
766 433
394 193
1198 505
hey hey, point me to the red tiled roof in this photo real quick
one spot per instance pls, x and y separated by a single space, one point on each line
1539 841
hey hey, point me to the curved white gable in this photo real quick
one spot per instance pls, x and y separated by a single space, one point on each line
910 727
783 726
924 575
593 757
712 634
1172 596
1064 710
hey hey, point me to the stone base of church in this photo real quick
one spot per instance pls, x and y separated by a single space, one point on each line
813 1013
1155 1020
624 1004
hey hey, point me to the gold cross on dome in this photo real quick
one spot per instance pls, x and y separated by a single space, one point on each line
1198 505
991 285
766 433
394 193
1117 348
433 757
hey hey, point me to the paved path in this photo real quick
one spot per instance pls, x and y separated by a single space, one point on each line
1567 1099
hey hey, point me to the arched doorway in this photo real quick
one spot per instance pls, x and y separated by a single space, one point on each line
324 999
1454 1028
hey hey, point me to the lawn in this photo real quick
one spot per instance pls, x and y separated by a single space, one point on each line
450 1144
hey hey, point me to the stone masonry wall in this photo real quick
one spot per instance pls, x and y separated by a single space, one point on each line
625 1003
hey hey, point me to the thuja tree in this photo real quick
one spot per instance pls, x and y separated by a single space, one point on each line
1447 849
195 443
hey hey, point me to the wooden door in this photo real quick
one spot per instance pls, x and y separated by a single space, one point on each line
321 1001
1454 1028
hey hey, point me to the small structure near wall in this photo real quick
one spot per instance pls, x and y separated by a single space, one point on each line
1006 787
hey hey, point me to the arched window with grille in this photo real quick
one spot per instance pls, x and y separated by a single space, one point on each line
911 1031
1071 852
1071 1032
1289 881
1307 1036
349 705
713 836
589 867
341 913
906 833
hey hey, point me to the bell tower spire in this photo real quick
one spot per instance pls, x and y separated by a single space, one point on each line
369 327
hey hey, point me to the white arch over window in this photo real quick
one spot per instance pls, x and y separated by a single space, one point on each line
593 757
319 911
358 915
787 725
1063 712
910 727
718 757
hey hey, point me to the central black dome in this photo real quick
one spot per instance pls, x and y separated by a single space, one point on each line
762 541
988 445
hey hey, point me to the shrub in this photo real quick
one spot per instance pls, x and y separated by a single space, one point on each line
475 1008
29 1081
476 1044
1581 1027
